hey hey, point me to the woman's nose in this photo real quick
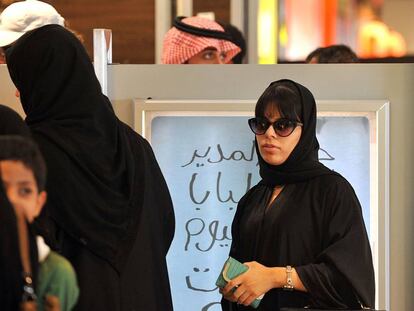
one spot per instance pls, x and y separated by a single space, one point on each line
270 132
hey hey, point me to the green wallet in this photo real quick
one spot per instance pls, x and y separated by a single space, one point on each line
231 269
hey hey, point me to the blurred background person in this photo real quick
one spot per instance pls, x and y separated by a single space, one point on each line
339 53
18 249
375 38
197 40
15 260
23 16
55 281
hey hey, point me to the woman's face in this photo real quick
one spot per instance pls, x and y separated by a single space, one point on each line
275 149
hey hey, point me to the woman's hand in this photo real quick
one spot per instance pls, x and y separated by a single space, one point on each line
255 282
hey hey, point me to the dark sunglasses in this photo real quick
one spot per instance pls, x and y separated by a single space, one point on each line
283 127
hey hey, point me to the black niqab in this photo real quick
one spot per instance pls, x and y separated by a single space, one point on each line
302 164
96 170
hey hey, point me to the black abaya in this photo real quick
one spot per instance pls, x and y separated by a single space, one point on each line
102 175
11 123
314 225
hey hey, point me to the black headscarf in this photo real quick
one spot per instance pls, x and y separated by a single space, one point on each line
302 164
11 123
96 170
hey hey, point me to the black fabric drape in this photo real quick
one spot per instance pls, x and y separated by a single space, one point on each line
11 282
302 163
11 123
96 180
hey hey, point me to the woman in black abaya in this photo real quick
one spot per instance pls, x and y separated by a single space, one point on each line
109 210
300 229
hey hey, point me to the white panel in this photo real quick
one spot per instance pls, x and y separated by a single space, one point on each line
187 129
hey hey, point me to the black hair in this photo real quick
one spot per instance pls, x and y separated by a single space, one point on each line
315 53
238 39
282 96
339 53
22 149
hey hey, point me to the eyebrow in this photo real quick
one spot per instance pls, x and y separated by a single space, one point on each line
210 48
20 183
25 182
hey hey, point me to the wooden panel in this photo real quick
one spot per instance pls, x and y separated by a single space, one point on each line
132 23
221 8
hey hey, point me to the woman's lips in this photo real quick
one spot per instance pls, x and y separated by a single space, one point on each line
270 147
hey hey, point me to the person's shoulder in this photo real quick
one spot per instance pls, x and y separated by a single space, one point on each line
135 138
259 186
251 193
334 184
334 187
331 180
59 279
59 264
130 131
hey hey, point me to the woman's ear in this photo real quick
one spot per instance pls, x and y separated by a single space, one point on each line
17 93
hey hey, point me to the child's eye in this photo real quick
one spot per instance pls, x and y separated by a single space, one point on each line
25 191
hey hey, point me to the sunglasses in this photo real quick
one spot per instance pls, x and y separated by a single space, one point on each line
283 127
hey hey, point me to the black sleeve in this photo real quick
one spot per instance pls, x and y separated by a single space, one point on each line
235 230
342 275
235 243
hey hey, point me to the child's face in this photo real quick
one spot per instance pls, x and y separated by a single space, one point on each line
21 189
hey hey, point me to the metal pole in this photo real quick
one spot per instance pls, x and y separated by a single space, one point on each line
102 55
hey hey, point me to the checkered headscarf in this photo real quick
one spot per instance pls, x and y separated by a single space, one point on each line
180 46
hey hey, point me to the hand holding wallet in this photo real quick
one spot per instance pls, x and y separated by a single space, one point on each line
231 269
